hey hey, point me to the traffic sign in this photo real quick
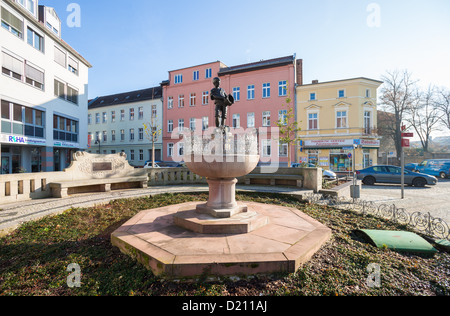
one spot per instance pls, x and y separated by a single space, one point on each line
405 135
405 143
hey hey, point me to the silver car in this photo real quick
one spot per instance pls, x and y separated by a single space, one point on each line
392 174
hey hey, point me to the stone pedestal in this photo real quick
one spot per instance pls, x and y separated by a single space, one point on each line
222 199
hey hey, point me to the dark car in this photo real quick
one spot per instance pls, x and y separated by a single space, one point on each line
392 174
411 166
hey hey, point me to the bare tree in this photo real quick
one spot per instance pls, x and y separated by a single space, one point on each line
424 115
443 104
397 96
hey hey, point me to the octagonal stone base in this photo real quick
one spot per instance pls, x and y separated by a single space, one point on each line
287 240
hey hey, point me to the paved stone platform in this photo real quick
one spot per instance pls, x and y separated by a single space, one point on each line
13 215
288 240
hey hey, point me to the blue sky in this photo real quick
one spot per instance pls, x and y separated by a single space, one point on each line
133 44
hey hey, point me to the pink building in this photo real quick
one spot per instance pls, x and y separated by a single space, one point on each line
260 89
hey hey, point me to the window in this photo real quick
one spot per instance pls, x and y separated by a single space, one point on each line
205 123
178 79
313 121
341 119
367 122
282 117
21 120
266 119
132 154
122 135
341 94
236 120
267 147
131 134
141 113
251 92
141 134
65 129
192 124
181 101
122 115
105 137
59 89
170 103
170 150
154 111
29 5
104 117
180 149
266 90
208 73
12 23
113 136
192 99
312 96
181 125
368 93
73 66
132 114
34 77
196 75
283 150
282 88
141 155
205 98
113 116
72 95
12 67
250 120
89 119
170 126
237 93
60 57
35 40
97 118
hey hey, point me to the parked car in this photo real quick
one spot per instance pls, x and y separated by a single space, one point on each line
149 165
392 174
327 174
411 166
435 167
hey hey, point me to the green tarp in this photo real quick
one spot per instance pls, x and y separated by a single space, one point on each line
398 240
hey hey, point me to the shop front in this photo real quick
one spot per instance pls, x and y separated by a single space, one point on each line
340 155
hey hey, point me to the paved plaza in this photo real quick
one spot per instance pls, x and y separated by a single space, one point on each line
13 215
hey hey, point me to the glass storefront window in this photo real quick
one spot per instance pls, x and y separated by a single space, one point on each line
340 161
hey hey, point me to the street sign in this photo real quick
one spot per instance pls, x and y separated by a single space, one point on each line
405 143
407 135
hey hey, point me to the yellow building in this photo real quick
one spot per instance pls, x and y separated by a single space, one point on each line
338 120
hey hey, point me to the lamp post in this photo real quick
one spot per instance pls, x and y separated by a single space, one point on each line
99 143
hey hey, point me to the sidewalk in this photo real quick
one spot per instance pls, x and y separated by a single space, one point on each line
14 215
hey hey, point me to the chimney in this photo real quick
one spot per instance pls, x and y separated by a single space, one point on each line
300 72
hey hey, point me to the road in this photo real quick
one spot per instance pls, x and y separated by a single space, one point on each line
431 199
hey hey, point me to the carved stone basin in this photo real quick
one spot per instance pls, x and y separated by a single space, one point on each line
222 167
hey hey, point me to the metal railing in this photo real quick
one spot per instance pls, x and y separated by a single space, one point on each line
423 223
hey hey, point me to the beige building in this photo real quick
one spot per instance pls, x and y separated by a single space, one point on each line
338 120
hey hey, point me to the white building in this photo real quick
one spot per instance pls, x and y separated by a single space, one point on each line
124 123
43 91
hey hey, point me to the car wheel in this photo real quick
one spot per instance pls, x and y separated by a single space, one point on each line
443 175
419 182
369 181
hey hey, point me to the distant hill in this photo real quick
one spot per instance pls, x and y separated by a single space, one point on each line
438 144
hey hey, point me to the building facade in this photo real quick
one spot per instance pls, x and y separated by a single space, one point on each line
338 123
259 89
43 91
126 123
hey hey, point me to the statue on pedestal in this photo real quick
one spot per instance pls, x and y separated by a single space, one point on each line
222 101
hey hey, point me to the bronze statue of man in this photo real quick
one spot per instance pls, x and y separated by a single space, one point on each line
222 101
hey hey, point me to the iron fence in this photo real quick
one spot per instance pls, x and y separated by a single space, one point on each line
423 223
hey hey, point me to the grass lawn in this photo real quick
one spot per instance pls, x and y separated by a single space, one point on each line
35 257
